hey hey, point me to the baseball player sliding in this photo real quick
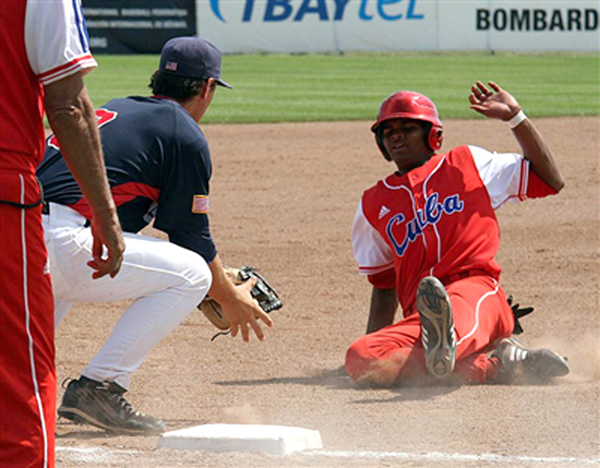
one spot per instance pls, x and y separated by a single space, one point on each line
159 166
427 236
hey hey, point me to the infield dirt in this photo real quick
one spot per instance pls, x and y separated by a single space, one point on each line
282 199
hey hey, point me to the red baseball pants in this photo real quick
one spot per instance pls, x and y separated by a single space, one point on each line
27 371
481 318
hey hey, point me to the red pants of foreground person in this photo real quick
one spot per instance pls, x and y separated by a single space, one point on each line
27 371
395 353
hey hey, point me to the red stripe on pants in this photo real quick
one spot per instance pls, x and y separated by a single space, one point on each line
27 370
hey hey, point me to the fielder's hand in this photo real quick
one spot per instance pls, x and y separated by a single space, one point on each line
237 305
243 312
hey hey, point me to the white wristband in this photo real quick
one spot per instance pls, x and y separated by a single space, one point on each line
517 119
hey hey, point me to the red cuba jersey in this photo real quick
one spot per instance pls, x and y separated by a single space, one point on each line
438 219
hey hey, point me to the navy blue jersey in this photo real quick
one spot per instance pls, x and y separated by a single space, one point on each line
158 165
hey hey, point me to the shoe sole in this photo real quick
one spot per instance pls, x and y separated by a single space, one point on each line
79 417
437 327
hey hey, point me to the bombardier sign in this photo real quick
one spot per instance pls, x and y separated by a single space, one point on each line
389 25
567 19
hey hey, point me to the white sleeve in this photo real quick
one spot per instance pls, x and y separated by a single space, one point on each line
56 39
505 175
371 252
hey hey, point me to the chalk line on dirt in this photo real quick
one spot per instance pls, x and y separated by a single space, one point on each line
99 454
93 454
438 456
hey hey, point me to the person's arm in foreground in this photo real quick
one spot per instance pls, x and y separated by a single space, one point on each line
384 303
237 305
500 104
73 120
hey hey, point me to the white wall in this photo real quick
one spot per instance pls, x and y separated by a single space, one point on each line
388 25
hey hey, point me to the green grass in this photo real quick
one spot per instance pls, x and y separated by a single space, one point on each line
322 87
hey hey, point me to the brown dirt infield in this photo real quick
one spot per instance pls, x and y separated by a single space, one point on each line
283 199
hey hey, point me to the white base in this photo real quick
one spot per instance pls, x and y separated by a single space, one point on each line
277 440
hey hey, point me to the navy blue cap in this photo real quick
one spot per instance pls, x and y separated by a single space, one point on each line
192 57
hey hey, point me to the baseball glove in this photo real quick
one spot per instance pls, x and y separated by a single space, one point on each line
262 292
518 313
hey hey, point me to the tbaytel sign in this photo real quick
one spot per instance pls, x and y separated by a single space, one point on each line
324 10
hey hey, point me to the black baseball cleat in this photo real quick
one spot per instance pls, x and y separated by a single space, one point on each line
102 404
521 366
437 327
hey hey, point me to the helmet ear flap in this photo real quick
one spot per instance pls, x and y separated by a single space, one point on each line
379 140
436 135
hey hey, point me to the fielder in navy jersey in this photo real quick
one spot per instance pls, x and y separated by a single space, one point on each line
159 167
162 156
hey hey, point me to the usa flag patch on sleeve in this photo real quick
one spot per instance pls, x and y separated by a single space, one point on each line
200 204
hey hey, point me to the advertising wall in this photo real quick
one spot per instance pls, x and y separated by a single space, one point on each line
390 25
239 26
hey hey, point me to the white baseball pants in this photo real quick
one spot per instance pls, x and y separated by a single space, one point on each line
166 282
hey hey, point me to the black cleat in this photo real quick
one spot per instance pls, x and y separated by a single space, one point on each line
521 366
437 327
102 404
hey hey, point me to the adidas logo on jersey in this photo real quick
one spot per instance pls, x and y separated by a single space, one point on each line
383 211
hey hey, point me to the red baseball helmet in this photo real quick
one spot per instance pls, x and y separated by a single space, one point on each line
410 105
